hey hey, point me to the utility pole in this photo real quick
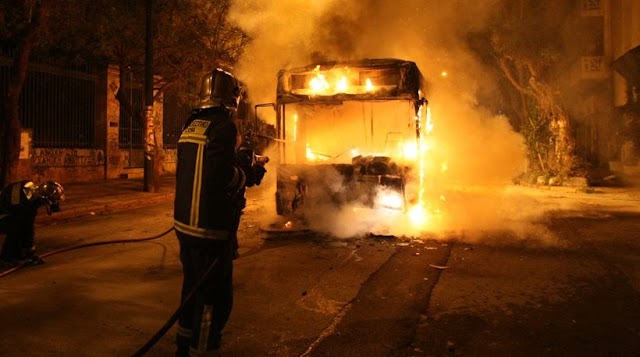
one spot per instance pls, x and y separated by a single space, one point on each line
151 181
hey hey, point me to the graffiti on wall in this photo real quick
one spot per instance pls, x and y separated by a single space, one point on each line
56 157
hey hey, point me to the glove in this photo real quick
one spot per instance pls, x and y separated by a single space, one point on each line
258 172
254 173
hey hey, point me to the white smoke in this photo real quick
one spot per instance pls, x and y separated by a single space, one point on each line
476 147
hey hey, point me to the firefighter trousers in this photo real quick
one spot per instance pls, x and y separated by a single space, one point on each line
202 318
19 242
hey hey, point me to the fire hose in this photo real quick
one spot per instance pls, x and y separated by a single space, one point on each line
163 330
85 245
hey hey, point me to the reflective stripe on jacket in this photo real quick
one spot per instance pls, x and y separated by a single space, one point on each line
207 177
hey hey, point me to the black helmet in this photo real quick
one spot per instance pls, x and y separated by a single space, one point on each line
51 191
219 88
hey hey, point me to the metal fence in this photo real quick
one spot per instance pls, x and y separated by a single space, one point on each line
131 129
58 105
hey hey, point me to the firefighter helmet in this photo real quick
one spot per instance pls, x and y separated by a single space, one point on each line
219 88
51 191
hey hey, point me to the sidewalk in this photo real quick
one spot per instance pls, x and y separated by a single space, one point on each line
104 196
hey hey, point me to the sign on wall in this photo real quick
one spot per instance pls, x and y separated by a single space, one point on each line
593 67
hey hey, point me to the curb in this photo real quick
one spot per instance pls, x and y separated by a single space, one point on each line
102 208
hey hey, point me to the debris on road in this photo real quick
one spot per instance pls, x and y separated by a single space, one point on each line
441 267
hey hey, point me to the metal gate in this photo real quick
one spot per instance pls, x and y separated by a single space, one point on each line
59 105
132 129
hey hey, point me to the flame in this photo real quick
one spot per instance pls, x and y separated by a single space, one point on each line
338 80
411 150
342 85
295 127
368 86
391 199
418 213
319 83
313 156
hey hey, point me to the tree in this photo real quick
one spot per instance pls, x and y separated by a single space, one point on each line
20 26
526 48
191 37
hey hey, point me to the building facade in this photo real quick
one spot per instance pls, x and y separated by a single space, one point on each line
77 129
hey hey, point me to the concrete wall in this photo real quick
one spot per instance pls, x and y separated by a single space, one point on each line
625 36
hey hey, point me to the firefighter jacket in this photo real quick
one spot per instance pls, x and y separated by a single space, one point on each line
209 183
18 197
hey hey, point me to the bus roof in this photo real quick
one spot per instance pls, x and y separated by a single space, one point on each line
359 80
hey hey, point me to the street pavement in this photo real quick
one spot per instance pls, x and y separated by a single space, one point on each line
503 297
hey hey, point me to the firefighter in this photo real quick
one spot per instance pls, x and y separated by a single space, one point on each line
19 204
209 199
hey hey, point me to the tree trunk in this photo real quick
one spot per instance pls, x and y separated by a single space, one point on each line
10 123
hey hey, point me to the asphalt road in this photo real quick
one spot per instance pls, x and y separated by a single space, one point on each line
569 287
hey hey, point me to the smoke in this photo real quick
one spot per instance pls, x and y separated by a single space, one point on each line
471 146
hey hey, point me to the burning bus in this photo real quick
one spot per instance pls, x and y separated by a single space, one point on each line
348 133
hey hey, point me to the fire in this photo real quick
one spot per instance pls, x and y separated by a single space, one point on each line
369 87
314 156
342 85
319 83
295 127
338 81
418 213
390 199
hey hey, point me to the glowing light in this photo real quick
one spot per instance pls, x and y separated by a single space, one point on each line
312 156
319 83
444 73
411 150
338 80
418 215
368 86
288 225
355 152
444 167
295 127
390 199
342 85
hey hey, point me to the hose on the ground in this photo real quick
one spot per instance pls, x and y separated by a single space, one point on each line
163 330
85 245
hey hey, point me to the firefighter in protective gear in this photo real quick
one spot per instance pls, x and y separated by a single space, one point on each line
209 199
19 204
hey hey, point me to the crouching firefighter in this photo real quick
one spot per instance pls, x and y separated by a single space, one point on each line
209 199
19 204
